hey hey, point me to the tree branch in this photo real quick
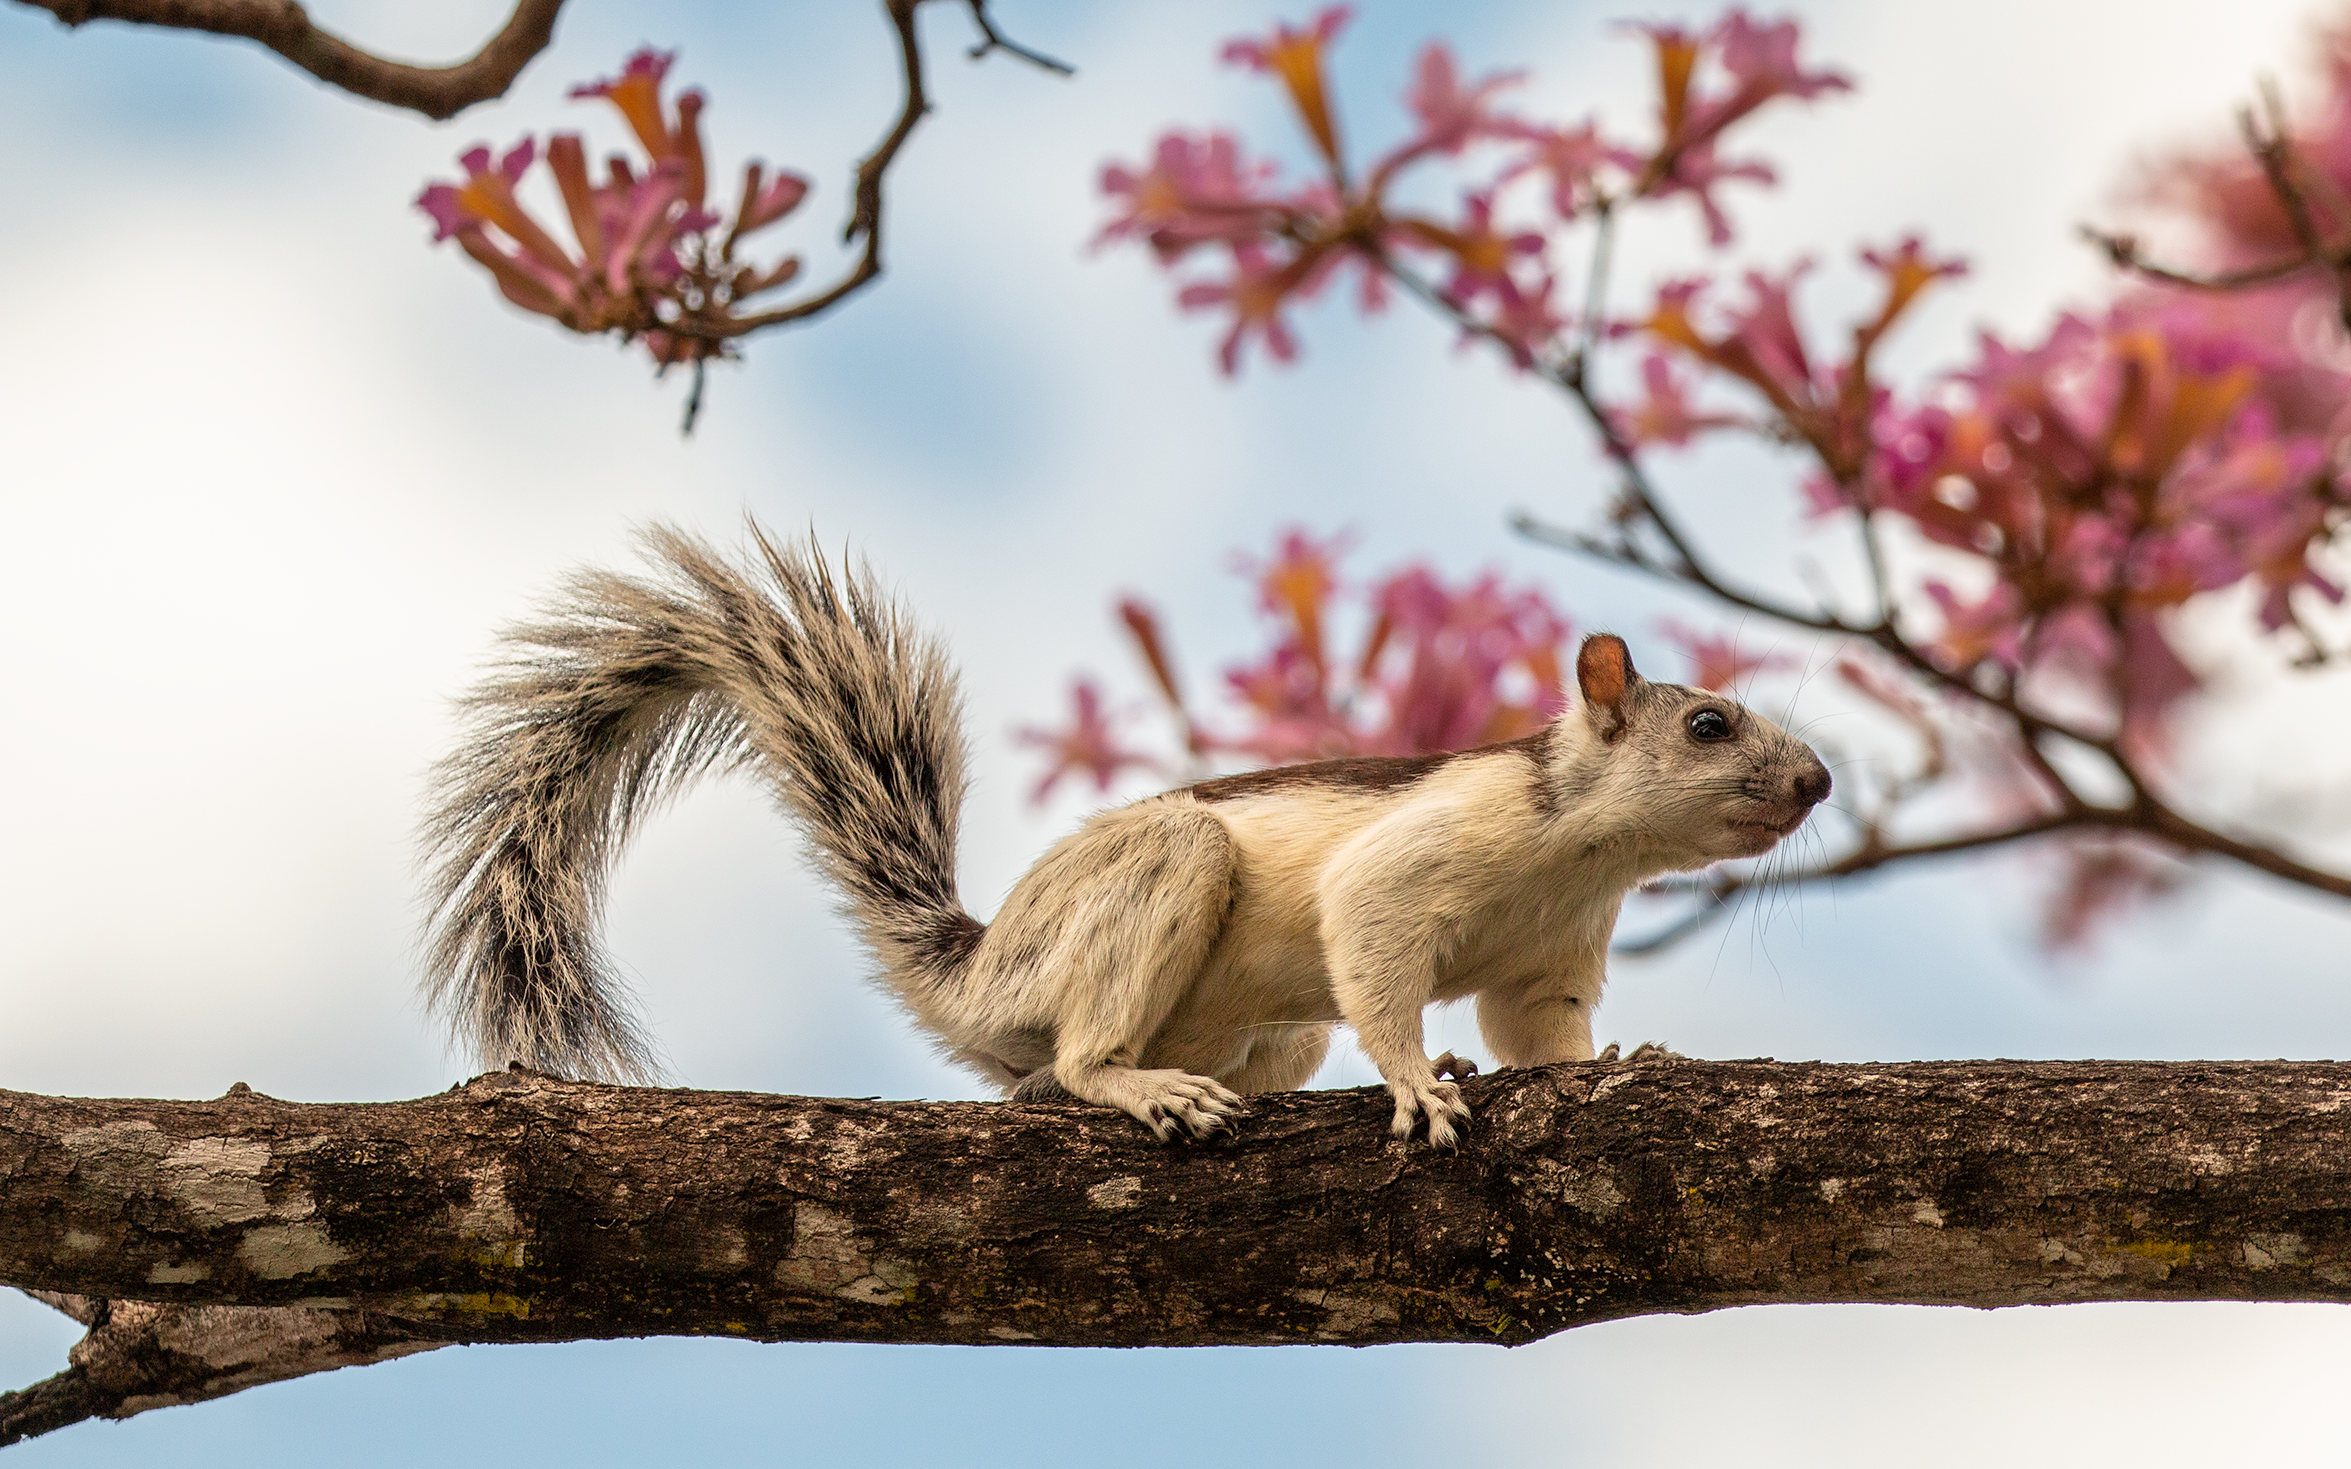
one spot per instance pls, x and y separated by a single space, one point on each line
141 1355
2147 817
1871 854
865 218
2122 251
439 92
2268 138
518 1208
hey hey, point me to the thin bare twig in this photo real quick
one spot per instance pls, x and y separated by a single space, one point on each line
708 323
2123 252
2268 139
1596 284
439 92
2146 818
1717 891
865 217
992 39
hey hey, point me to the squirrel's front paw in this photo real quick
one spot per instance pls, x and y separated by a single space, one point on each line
1439 1101
1176 1104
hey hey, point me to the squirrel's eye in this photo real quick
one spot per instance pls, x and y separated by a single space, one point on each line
1709 725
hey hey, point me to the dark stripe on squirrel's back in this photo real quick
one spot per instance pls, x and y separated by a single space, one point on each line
1359 772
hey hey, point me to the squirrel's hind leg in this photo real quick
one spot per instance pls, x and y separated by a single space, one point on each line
1107 934
1537 1025
1283 1063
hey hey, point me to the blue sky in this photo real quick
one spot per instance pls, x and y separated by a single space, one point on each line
277 470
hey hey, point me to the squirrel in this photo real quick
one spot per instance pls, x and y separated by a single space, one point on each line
1166 958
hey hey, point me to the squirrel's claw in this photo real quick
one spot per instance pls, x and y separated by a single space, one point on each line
1176 1104
1419 1097
1458 1068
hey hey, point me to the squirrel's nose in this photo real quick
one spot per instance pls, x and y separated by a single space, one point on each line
1812 786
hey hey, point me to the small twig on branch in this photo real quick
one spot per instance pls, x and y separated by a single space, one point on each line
141 1355
1717 891
865 217
2123 251
2146 817
439 92
2268 139
992 39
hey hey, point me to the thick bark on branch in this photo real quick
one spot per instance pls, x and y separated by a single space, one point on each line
519 1208
439 92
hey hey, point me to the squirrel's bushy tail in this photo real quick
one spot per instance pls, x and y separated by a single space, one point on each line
627 690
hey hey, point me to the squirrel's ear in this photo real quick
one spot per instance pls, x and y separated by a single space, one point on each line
1604 675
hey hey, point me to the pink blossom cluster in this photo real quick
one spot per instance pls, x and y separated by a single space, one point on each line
1440 666
2123 466
2104 477
650 261
1826 405
1281 243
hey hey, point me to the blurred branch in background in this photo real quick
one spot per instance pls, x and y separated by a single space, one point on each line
2027 533
439 92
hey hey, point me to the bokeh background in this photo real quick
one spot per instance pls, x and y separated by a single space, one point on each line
274 471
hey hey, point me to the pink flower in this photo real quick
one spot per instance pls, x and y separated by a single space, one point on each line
1573 158
1297 582
1908 270
1296 58
1482 255
1759 61
1761 346
1196 192
1451 116
1087 744
530 268
1255 292
1664 414
1764 331
651 265
1695 171
636 92
1487 267
763 203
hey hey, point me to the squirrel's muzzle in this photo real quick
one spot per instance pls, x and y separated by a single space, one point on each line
1811 786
